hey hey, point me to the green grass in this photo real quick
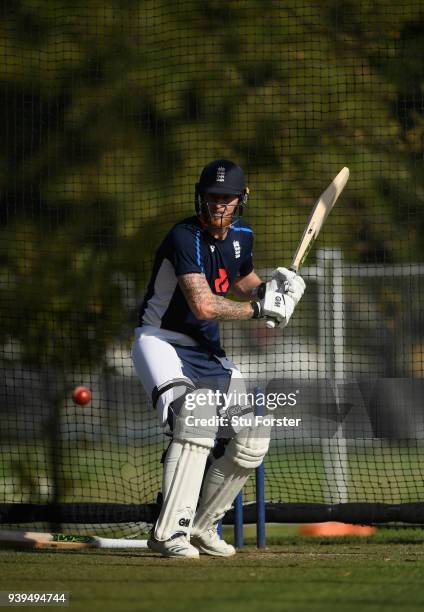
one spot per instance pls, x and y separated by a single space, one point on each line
383 572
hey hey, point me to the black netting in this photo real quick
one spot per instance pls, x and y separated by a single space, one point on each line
110 110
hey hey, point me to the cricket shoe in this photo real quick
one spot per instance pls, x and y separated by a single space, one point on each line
176 546
210 543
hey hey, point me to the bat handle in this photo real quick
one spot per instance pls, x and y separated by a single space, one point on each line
272 323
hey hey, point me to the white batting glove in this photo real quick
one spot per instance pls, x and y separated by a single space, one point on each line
274 303
290 283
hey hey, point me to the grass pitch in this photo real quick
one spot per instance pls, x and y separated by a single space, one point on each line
383 572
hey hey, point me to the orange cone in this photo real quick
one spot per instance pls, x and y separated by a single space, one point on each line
335 529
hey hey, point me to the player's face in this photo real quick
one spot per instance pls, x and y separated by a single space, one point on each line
221 208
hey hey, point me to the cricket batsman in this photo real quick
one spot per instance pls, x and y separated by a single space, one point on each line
177 356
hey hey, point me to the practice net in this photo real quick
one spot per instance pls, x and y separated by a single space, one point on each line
110 111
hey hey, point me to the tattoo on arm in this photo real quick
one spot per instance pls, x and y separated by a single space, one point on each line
228 309
206 305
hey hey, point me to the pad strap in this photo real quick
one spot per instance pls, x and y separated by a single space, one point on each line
176 382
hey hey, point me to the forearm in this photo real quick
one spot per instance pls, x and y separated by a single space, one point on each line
246 287
206 306
222 309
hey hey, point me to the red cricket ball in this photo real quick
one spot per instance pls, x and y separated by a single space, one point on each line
81 395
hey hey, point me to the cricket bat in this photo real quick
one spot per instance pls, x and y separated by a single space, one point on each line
64 541
320 212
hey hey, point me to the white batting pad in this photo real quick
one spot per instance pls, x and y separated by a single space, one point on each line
224 481
179 504
184 471
228 474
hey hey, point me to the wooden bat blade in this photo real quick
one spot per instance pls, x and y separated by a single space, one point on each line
320 212
35 539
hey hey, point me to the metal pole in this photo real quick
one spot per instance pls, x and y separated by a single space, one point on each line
260 487
331 341
238 520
